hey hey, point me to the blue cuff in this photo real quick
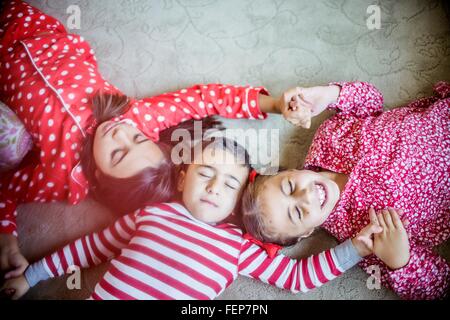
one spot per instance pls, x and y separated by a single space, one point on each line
36 273
347 255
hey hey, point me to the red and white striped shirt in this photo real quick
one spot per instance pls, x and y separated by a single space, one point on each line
163 252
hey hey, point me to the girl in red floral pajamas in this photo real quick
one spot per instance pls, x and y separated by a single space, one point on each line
361 158
49 78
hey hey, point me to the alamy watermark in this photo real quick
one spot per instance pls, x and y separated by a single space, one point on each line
374 280
374 20
267 157
74 19
73 281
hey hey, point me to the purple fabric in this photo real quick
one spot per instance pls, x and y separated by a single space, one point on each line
15 141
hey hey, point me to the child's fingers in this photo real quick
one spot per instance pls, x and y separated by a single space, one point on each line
367 242
405 222
301 96
7 293
16 295
292 106
388 219
395 218
14 273
372 229
373 216
4 262
381 221
306 123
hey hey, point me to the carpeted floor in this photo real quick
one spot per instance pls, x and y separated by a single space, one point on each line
150 47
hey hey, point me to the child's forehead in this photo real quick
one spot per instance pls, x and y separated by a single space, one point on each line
217 156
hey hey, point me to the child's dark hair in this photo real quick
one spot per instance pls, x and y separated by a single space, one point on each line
239 152
151 185
253 216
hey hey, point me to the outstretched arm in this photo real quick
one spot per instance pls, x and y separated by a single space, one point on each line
302 275
308 273
359 99
85 252
200 101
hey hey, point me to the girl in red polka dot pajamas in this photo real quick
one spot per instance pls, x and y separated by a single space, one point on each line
361 160
85 131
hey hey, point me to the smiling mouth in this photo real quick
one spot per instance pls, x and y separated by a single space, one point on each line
209 202
322 194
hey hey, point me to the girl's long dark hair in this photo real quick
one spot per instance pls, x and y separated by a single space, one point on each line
151 185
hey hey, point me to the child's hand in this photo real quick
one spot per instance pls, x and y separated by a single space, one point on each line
15 288
363 240
298 115
12 262
298 105
392 245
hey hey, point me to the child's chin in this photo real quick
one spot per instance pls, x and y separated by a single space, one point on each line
204 216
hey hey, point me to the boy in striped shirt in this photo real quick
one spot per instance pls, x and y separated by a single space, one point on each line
187 249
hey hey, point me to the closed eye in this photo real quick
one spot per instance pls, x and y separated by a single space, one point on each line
299 212
114 155
230 186
205 172
287 187
139 138
291 187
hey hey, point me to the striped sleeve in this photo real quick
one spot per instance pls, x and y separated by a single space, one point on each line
92 249
296 275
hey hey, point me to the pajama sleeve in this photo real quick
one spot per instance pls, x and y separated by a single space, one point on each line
88 251
30 183
426 276
8 213
13 188
360 99
297 275
199 101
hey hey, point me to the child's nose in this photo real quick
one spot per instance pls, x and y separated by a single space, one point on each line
121 136
304 195
212 187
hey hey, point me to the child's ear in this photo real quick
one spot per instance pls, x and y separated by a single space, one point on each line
181 180
307 234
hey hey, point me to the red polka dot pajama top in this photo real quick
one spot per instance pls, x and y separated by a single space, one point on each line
47 78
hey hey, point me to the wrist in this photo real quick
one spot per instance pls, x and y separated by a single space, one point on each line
269 104
332 93
360 248
9 240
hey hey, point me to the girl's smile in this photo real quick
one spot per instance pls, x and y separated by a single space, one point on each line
294 202
321 194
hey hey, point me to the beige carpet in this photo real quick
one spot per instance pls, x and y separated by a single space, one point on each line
150 47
